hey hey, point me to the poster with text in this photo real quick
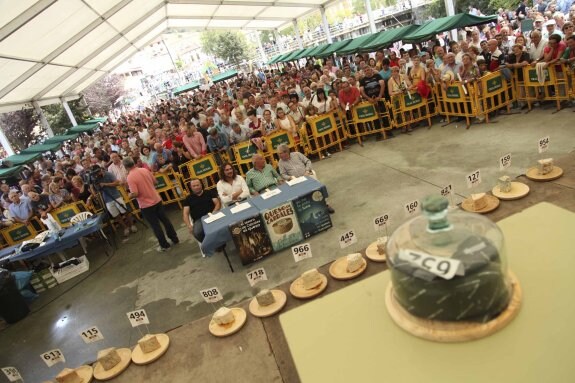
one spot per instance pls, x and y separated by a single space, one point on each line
312 214
282 225
251 239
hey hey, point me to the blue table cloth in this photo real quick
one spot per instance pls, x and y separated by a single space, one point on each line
218 234
53 243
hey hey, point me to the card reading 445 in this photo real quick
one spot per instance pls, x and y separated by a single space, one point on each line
52 357
256 276
91 334
347 239
138 317
12 374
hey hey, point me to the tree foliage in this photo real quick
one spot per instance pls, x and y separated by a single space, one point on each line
21 128
104 94
58 118
230 46
359 5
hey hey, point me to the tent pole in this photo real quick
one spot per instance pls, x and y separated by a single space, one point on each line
325 25
43 119
69 112
370 16
297 35
5 143
450 8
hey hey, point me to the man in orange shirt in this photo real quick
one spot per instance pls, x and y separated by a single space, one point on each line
141 183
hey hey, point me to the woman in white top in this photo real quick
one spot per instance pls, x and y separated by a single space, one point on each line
231 186
286 122
322 103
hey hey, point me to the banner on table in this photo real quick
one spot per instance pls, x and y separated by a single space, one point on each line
251 239
283 227
312 214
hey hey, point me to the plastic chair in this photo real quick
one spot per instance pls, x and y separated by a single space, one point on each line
82 216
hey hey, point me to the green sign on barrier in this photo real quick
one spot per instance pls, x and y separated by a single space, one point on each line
202 167
414 100
323 125
494 84
247 152
280 139
533 75
19 234
65 215
365 112
453 92
160 182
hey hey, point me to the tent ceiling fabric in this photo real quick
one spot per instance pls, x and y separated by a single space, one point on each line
53 49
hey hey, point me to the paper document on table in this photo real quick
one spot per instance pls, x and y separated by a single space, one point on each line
240 207
214 217
296 180
270 193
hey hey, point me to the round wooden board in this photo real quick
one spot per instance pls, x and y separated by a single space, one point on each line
452 332
492 204
126 358
231 328
338 269
85 373
518 190
297 290
141 358
267 311
533 174
373 255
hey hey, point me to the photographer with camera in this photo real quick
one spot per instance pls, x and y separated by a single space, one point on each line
105 183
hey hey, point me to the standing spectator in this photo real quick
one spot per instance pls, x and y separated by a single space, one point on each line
20 208
141 183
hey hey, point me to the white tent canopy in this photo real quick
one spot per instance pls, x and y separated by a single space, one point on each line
51 50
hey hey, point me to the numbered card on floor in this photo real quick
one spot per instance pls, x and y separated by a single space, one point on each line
256 276
138 317
473 179
302 251
380 221
447 191
505 162
52 357
347 239
445 268
91 334
211 295
12 374
543 144
412 207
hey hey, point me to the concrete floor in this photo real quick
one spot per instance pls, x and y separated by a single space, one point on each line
362 181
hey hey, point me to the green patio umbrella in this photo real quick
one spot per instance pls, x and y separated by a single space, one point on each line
334 47
186 88
61 138
95 120
304 53
224 76
22 159
9 172
388 37
83 128
318 50
429 30
42 148
357 43
293 55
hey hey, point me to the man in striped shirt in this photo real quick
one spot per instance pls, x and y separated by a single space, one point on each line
261 176
295 164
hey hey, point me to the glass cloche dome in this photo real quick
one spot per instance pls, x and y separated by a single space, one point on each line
449 266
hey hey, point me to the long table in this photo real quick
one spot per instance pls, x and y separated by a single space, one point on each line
217 233
54 243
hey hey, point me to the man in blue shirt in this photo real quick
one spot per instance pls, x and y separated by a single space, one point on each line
20 208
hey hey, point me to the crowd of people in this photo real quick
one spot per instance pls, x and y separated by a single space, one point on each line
250 107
